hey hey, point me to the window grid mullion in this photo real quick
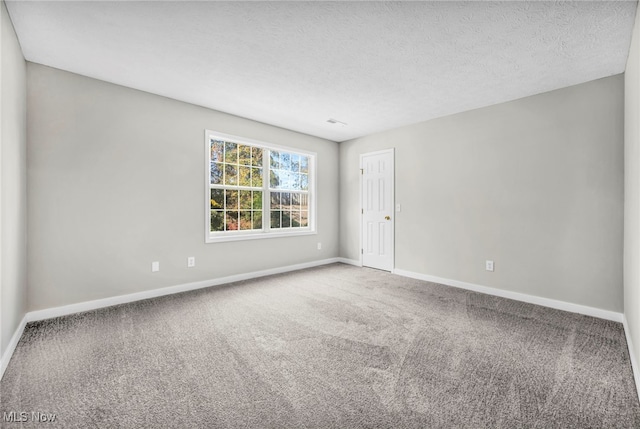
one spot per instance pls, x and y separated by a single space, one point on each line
235 187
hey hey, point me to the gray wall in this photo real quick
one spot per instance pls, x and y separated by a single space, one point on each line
116 182
632 191
534 184
13 185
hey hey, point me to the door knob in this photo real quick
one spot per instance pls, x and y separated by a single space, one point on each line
387 217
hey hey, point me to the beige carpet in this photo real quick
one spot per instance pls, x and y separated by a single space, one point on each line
330 347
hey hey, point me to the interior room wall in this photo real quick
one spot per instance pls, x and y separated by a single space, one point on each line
13 198
632 194
116 181
536 185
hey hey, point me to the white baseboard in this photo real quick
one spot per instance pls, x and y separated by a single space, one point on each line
635 365
169 290
350 262
531 299
11 347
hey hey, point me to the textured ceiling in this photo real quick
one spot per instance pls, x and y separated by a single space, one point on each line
372 65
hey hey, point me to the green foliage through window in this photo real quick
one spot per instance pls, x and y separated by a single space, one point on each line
237 188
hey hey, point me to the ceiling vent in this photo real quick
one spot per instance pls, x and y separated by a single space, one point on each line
337 122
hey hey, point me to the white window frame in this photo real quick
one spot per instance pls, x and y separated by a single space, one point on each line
266 231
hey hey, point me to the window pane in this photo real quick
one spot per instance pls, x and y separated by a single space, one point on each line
275 219
217 198
285 200
231 200
274 181
285 161
256 177
304 164
217 220
286 219
275 200
244 176
295 218
231 221
275 159
244 153
257 200
296 181
230 174
217 150
257 219
295 201
304 201
245 200
304 182
295 162
304 219
256 156
230 153
245 219
216 173
285 180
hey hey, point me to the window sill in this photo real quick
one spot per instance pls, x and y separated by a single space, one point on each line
212 238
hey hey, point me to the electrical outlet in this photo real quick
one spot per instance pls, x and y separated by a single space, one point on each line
155 267
191 261
488 265
319 246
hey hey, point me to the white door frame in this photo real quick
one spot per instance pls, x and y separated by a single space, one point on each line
393 204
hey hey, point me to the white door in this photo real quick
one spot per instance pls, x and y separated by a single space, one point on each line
377 209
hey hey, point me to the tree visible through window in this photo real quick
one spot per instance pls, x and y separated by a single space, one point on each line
289 188
255 190
236 186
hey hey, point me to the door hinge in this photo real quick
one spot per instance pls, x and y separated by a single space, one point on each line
362 251
362 211
362 171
